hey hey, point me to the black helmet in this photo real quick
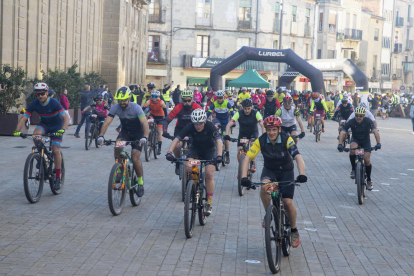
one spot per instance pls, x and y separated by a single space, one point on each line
279 90
270 92
344 100
151 85
295 91
247 102
99 97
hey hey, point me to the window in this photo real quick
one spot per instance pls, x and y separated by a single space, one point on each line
203 12
275 44
153 48
154 11
348 18
376 34
294 8
331 54
276 24
321 21
319 53
346 54
385 69
332 23
354 22
374 66
386 42
203 46
242 42
307 22
245 10
353 56
292 46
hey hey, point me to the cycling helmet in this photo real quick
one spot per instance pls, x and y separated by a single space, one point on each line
99 98
244 89
315 94
344 101
345 94
295 91
272 121
309 92
287 99
198 116
123 93
279 90
247 102
187 94
270 93
151 85
155 93
196 89
360 110
41 86
362 104
219 93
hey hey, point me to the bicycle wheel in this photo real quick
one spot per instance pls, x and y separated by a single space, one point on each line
53 178
155 144
311 126
190 207
135 200
149 147
359 180
316 131
89 136
272 239
33 178
95 136
146 151
183 182
286 235
224 156
116 189
202 219
240 188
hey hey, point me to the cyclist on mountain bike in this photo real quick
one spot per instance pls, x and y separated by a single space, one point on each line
53 119
278 150
134 128
280 94
368 114
289 115
255 99
100 109
248 120
182 112
223 109
321 108
242 96
205 138
361 127
343 112
270 104
158 110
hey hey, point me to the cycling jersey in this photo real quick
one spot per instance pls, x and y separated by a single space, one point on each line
288 116
100 110
280 97
255 98
320 105
183 116
202 141
50 113
248 123
129 117
360 131
156 109
277 157
242 96
222 110
231 102
345 111
270 106
198 97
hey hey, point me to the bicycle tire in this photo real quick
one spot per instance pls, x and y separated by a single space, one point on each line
286 232
135 200
311 124
240 188
359 175
147 155
272 235
155 144
316 131
62 177
202 219
190 206
95 136
184 180
116 207
28 168
149 145
224 159
88 137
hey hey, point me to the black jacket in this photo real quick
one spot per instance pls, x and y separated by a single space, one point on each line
177 96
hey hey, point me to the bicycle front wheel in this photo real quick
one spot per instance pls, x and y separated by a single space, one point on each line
183 182
33 178
202 219
190 207
240 188
133 197
286 235
89 136
359 180
116 189
272 239
155 145
147 153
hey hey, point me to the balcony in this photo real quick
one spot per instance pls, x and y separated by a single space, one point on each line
156 17
340 36
158 58
397 74
408 67
307 31
276 25
206 21
410 45
353 34
244 25
410 22
399 22
143 2
397 48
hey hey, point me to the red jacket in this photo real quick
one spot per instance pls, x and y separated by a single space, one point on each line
64 102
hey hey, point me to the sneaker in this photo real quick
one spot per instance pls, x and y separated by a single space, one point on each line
353 174
208 209
323 130
140 190
369 185
177 168
76 135
295 239
57 184
159 151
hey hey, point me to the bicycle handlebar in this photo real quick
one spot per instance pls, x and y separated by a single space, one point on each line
284 183
31 135
177 160
109 142
347 150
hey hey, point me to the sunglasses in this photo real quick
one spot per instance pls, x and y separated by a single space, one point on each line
220 98
99 100
199 124
359 116
40 94
154 97
122 101
187 101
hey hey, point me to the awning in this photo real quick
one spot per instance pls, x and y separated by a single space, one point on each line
250 79
201 81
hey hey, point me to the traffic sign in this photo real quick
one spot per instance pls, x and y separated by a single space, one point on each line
402 87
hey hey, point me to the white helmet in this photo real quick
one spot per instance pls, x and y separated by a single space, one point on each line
41 86
345 94
198 116
155 93
219 93
244 89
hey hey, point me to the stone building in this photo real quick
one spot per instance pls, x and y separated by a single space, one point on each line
40 34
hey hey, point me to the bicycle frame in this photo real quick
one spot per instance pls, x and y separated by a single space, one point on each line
123 158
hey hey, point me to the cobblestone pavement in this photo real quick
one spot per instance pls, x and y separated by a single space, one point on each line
75 234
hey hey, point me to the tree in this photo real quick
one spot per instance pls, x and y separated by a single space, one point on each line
93 79
13 83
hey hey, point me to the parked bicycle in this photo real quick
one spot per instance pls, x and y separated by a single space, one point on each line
151 147
92 132
39 167
122 178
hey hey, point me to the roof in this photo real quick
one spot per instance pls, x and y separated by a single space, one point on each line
250 78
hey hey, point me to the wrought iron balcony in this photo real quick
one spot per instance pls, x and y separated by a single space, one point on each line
408 67
353 34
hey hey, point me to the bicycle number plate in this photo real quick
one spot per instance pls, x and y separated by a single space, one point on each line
317 116
37 137
244 141
271 187
94 116
150 120
359 151
120 144
194 162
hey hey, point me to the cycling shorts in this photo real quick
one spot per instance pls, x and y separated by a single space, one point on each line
125 136
202 155
252 136
366 145
288 130
287 191
158 120
177 131
321 112
223 124
56 140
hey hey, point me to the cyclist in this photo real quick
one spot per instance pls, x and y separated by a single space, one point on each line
278 150
53 119
248 120
262 95
223 109
295 96
343 112
158 110
205 138
321 108
147 96
242 96
361 127
198 97
289 115
101 109
134 128
368 114
280 94
182 112
270 104
255 99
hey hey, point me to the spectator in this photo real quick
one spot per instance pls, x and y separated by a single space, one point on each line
64 102
110 97
356 99
86 100
177 95
374 103
137 94
166 92
52 93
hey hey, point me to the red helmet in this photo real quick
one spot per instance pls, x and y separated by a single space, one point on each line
315 94
272 121
287 99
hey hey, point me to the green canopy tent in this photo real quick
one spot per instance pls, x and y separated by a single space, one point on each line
250 78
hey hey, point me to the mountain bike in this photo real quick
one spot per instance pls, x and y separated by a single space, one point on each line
318 127
225 159
151 146
39 167
310 114
183 174
360 174
92 132
122 178
277 225
196 195
347 138
240 157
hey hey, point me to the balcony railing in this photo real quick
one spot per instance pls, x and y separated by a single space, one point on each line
244 24
397 48
353 34
340 36
307 31
408 67
157 57
276 25
399 22
410 45
397 74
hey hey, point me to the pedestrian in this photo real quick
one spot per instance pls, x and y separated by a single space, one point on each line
177 95
110 97
64 102
86 100
412 112
137 94
166 93
356 99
